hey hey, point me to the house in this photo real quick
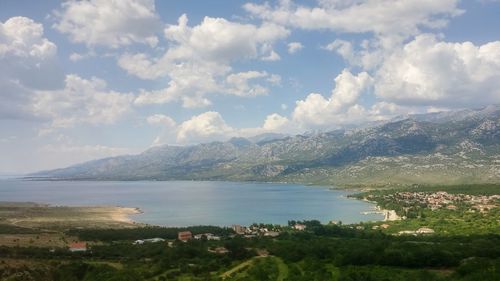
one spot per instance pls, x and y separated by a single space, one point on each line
239 229
78 247
384 226
151 240
424 230
154 240
406 232
208 236
299 226
272 234
184 236
219 250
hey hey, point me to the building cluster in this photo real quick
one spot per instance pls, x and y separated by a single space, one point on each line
151 240
208 236
254 231
445 200
78 247
420 231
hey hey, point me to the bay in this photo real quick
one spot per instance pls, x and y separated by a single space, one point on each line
186 203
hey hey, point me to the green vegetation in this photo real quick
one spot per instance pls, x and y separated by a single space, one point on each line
324 252
465 246
465 216
108 235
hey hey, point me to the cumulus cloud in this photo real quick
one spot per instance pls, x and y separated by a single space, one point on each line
317 111
109 23
23 37
376 16
27 62
81 101
294 47
206 127
217 39
211 126
198 60
430 72
239 83
161 119
276 123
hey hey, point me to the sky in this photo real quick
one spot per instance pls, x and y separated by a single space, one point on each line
81 80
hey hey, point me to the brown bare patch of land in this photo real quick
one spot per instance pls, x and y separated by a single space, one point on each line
33 216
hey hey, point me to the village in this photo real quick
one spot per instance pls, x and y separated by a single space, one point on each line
442 200
246 232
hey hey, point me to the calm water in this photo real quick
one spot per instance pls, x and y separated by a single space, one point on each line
184 203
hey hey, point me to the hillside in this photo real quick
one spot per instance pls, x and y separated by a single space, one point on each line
437 148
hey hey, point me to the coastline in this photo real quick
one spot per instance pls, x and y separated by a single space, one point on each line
46 216
389 215
123 214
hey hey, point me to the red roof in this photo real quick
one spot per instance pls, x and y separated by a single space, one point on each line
78 245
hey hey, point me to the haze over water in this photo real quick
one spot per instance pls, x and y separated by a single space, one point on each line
185 203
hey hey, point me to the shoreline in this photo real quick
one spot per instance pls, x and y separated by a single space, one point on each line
48 216
118 216
123 214
389 215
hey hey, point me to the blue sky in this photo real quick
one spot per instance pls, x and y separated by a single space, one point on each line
89 79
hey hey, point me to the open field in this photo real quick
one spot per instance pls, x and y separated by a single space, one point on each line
31 217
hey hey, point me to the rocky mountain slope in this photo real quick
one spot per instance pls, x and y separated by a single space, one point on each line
447 147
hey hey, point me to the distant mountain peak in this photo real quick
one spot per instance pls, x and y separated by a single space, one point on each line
460 146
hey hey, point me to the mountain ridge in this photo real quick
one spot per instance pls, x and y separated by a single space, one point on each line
446 147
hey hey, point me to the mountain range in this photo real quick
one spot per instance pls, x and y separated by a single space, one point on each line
436 148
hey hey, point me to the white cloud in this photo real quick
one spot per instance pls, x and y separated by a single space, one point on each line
238 84
27 62
206 127
211 126
317 111
198 60
109 23
74 57
161 119
274 79
369 55
273 56
343 48
189 83
167 126
276 123
294 47
81 101
22 37
402 17
429 72
217 39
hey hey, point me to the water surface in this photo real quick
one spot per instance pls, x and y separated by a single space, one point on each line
184 203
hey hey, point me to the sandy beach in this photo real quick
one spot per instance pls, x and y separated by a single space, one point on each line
32 215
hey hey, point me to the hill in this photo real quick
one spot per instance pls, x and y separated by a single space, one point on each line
437 148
